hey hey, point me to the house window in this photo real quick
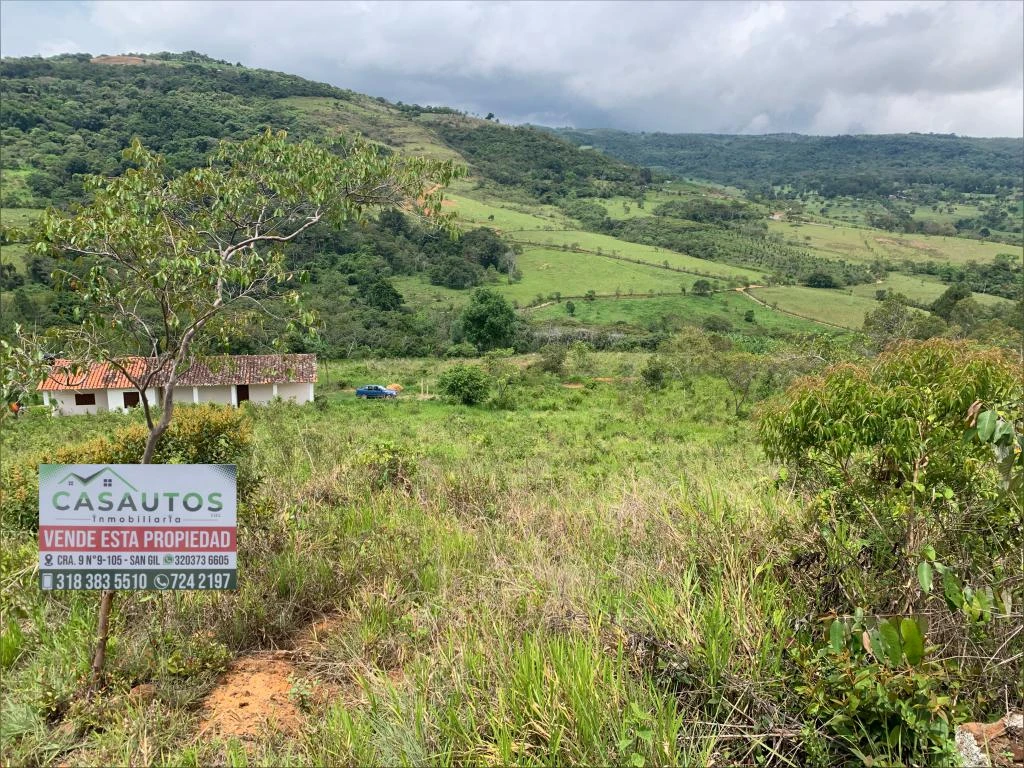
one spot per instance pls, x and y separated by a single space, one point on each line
243 392
107 482
89 399
131 399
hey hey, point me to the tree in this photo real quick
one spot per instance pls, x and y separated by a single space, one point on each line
167 265
381 294
455 272
9 277
570 307
488 321
819 279
944 305
701 288
890 322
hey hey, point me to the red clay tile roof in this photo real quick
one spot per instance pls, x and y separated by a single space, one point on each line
250 369
101 376
209 371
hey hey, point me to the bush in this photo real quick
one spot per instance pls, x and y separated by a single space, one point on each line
388 466
204 434
821 280
462 349
876 699
467 384
654 373
881 447
717 324
552 359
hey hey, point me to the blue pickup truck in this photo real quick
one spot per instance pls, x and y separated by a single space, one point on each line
375 390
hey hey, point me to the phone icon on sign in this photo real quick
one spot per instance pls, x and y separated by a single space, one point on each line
47 581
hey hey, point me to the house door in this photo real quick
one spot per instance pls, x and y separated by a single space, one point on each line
131 399
243 392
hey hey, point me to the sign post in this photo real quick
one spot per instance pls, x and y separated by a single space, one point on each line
137 526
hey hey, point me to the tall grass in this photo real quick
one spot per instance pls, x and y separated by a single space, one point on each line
588 578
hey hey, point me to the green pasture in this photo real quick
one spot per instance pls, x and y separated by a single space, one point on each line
549 271
827 306
507 217
650 254
920 288
670 311
853 244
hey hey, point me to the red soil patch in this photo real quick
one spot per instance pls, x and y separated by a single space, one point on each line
1002 741
252 698
448 202
117 60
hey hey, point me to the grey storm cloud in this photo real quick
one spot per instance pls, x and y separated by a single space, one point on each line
725 67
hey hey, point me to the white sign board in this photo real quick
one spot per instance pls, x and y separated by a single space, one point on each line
137 526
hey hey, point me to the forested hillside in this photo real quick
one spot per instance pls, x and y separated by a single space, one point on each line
935 184
832 165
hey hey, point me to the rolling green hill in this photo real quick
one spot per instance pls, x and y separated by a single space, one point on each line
572 220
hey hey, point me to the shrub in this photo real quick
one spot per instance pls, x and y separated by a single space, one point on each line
717 324
467 384
552 358
462 349
821 280
876 698
654 372
881 446
388 466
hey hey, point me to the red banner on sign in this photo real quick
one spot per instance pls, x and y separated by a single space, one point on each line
92 538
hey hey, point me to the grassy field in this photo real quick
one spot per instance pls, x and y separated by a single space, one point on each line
546 271
15 254
919 288
866 245
374 120
650 254
486 597
507 216
690 310
827 306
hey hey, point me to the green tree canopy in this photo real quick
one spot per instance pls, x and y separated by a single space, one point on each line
489 321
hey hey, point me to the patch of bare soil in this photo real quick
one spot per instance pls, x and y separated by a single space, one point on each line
117 60
999 744
568 385
255 695
252 698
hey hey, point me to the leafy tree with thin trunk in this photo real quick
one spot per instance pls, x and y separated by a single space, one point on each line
168 265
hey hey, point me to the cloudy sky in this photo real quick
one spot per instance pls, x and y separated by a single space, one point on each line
724 67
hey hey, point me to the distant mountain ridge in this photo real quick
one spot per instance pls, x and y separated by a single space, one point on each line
829 165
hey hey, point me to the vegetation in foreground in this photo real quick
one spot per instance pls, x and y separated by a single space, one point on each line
580 569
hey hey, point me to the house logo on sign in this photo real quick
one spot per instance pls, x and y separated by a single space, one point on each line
111 481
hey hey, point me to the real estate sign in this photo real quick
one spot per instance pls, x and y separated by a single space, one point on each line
137 526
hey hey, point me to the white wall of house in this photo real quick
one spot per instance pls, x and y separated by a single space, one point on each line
300 393
64 402
113 399
219 395
261 393
182 395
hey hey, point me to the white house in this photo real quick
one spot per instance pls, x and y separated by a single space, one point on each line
224 379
